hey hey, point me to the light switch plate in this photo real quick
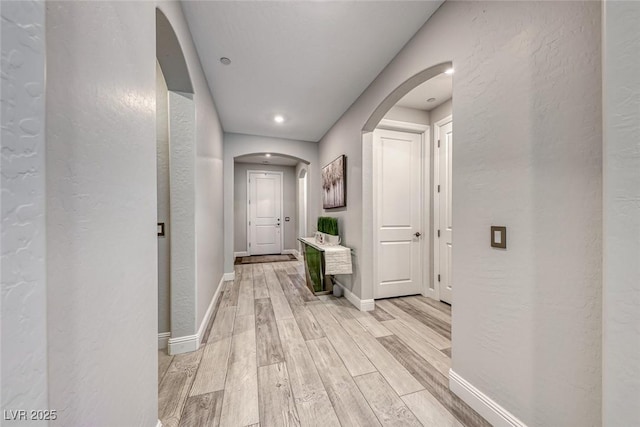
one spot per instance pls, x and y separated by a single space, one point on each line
498 237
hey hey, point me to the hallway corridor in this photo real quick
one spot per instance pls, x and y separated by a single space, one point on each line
277 355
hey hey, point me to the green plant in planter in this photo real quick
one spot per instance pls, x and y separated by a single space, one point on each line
328 225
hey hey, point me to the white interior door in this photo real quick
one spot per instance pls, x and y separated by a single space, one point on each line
398 233
264 205
444 233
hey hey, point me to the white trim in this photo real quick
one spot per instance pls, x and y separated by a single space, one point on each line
423 131
209 313
495 414
229 276
163 339
435 292
293 252
444 121
402 126
184 344
281 173
241 253
159 424
189 343
360 304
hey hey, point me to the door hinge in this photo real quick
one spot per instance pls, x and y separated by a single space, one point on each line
438 233
438 188
249 201
250 246
249 222
438 277
438 143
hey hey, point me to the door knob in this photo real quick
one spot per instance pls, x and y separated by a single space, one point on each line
418 234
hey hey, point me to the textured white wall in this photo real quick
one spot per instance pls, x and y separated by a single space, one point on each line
288 199
527 154
101 213
208 169
23 296
238 145
621 302
162 173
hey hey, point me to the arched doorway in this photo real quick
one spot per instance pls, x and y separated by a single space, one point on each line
176 194
238 145
419 247
257 171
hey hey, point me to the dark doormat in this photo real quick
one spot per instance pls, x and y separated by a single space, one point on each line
257 259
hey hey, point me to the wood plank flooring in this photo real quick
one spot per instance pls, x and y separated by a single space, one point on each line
276 355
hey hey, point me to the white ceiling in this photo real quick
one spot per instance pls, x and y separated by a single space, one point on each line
439 87
306 60
263 160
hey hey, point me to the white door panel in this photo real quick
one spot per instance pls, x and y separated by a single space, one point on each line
445 241
398 203
397 256
264 207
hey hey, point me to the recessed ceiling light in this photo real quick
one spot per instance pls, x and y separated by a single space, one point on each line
278 119
431 100
449 71
225 61
267 155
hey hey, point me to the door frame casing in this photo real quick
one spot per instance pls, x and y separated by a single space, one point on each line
435 294
249 172
423 131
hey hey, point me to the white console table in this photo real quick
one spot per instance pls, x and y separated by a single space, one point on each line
333 259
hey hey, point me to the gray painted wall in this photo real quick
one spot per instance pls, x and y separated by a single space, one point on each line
182 193
240 204
621 302
440 112
101 208
162 174
302 227
101 213
23 338
209 223
410 115
527 156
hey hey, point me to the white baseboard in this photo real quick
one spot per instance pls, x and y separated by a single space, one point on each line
241 253
163 340
209 313
229 276
483 404
184 344
293 252
360 304
189 343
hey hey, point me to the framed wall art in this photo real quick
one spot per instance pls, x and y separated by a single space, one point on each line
334 184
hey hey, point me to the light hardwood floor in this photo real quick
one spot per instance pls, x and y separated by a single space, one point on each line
276 355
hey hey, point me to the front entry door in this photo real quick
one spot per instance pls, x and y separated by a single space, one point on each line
264 205
399 236
444 232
